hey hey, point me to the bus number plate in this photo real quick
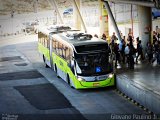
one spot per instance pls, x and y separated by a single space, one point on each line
96 84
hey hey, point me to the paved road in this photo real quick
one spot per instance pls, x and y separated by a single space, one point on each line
35 93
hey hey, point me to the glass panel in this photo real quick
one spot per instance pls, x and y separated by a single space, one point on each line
92 64
90 48
60 49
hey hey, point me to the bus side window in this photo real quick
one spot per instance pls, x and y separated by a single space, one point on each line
68 54
39 37
64 52
46 41
60 49
54 45
39 40
57 50
43 40
47 38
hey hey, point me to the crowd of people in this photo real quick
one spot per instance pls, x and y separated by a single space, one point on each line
125 51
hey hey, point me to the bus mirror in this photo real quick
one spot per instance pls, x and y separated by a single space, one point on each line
72 65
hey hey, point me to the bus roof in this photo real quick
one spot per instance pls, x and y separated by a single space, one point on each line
80 42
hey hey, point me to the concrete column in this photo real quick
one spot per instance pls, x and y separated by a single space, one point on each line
145 24
112 19
77 15
103 19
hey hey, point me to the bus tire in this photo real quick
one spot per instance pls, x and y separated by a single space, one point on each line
56 72
44 60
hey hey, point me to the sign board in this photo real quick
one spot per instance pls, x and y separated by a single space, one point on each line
104 11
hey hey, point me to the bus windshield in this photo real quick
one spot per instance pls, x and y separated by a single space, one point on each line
92 64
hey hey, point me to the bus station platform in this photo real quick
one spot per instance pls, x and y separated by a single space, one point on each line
141 84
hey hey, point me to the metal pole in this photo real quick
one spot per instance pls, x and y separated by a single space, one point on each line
145 22
112 19
54 4
132 18
79 13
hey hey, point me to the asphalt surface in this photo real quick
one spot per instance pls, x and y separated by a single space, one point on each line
41 95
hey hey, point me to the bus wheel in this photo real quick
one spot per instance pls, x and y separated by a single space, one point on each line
56 72
44 60
69 81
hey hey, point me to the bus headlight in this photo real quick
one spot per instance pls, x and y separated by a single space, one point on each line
81 79
110 75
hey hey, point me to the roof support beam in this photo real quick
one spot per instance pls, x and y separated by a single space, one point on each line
112 19
134 2
55 6
80 15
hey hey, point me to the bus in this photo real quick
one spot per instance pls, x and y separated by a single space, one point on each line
78 58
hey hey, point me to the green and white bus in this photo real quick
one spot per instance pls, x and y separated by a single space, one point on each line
79 59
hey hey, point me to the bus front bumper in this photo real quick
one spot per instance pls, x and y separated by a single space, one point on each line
96 84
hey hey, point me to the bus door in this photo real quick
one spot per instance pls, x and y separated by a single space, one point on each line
62 69
50 50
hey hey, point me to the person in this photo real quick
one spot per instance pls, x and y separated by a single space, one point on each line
112 43
158 54
123 51
85 61
158 36
155 38
121 34
149 51
116 51
158 33
95 35
104 36
156 49
139 50
130 39
131 58
126 51
113 38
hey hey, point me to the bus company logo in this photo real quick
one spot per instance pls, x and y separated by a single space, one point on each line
9 117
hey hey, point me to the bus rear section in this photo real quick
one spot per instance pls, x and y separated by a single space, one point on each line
45 41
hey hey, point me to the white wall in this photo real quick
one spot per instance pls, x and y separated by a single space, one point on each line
15 25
